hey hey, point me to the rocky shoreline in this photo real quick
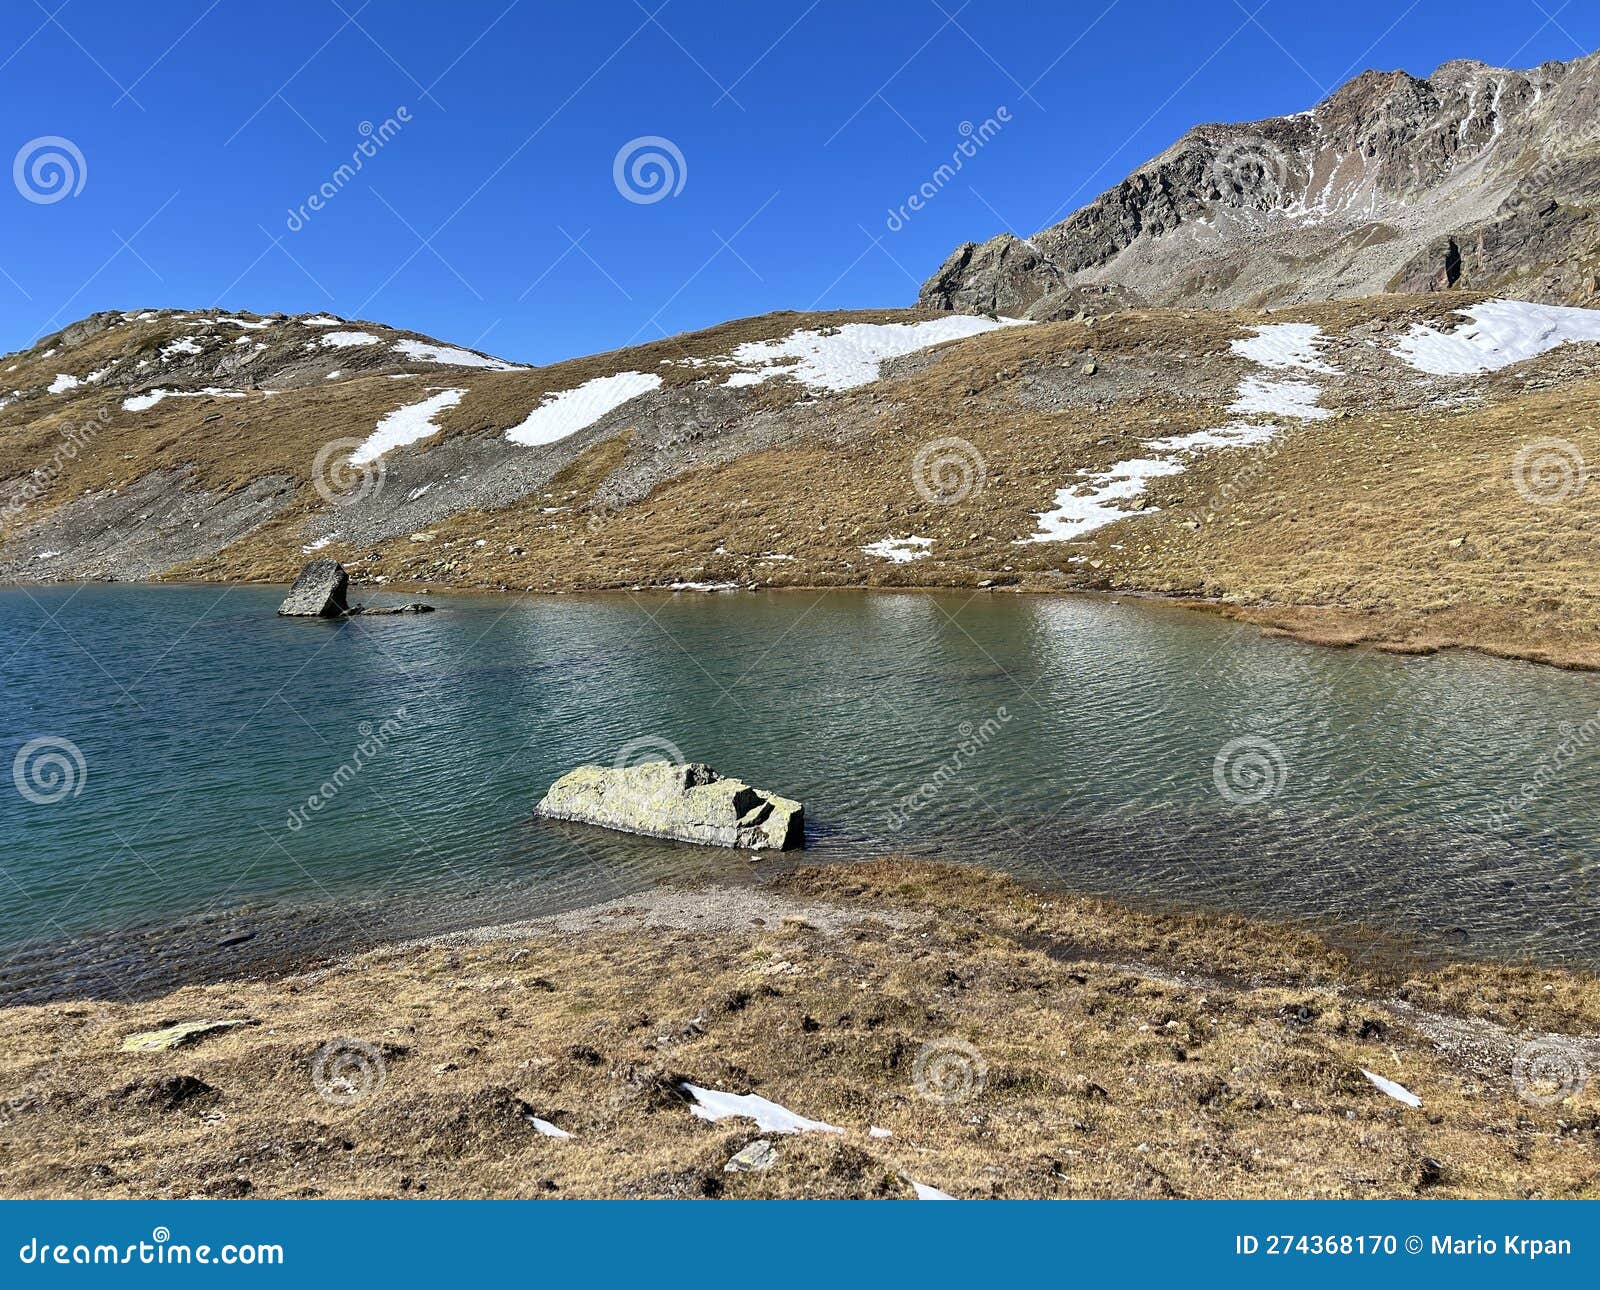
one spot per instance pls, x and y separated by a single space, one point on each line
938 1029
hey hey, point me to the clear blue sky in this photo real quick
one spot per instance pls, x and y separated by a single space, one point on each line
202 125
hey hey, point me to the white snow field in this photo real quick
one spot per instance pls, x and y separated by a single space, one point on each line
405 425
852 354
1500 333
572 410
451 356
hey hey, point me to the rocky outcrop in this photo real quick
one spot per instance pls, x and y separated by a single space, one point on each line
688 803
1476 177
319 592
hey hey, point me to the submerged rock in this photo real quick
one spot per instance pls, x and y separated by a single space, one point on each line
689 803
319 592
415 607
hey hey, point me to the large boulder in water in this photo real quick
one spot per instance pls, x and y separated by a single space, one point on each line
689 803
319 592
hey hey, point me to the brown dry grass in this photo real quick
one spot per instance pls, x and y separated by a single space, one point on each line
1109 1070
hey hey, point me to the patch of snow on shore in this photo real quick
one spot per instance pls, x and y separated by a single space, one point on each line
405 425
850 355
1501 332
346 339
576 409
900 550
925 1192
1076 514
709 1104
451 356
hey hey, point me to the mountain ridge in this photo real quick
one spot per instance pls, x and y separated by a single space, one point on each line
1391 183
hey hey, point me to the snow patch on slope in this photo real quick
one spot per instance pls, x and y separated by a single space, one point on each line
451 356
347 339
850 355
1501 332
573 410
405 425
710 1104
1102 497
900 550
139 402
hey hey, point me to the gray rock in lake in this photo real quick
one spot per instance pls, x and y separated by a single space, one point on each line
688 803
319 592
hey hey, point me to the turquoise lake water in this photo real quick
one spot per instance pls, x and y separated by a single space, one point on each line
1121 748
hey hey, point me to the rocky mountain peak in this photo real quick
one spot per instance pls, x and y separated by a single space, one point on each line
1474 177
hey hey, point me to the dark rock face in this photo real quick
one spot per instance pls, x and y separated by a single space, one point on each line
319 592
1476 178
